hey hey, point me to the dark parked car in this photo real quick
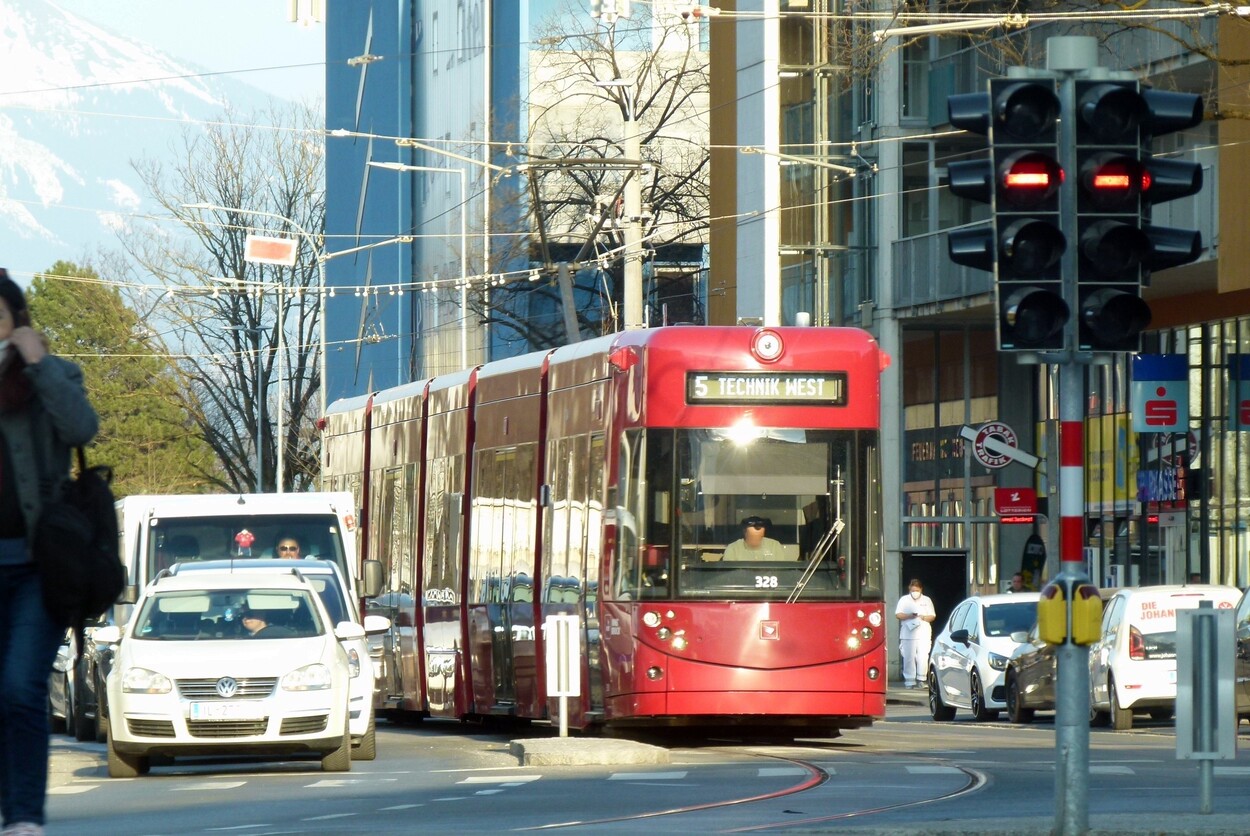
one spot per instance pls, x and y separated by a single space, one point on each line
1030 679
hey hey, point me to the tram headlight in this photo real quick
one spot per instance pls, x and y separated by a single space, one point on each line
663 634
651 618
875 619
655 673
680 642
853 642
873 674
866 633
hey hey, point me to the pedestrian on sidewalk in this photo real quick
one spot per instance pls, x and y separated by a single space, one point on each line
915 632
44 414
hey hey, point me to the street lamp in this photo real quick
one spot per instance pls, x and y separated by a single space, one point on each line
255 333
632 208
464 248
321 360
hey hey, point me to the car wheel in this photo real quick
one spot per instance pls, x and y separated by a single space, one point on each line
979 712
938 710
126 766
83 726
101 712
61 725
367 749
1121 718
340 760
1016 712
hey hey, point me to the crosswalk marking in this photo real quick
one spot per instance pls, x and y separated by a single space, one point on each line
210 785
510 781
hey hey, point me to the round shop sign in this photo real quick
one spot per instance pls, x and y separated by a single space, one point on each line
989 442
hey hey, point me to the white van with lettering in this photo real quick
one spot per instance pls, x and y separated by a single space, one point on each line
157 531
1132 666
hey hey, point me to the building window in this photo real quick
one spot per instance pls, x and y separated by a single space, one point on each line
916 80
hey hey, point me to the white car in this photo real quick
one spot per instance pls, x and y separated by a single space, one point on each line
326 578
969 656
1132 666
188 678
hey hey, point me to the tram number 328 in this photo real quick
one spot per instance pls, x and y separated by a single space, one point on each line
765 581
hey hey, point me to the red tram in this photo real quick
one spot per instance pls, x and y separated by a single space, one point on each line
606 479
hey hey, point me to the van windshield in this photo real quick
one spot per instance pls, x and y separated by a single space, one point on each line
242 537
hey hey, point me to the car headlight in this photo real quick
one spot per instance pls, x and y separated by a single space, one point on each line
315 677
998 663
144 681
353 662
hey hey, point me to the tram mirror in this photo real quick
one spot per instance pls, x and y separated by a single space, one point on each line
660 512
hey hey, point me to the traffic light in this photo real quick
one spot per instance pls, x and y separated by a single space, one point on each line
1118 182
1024 244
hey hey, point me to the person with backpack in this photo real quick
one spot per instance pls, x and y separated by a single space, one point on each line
44 414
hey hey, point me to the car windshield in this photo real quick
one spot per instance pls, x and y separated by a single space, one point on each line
227 614
1014 617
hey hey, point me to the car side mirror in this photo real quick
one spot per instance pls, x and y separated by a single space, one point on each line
960 636
345 630
108 634
1020 636
375 624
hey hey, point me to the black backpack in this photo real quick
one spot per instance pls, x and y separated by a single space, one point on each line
75 547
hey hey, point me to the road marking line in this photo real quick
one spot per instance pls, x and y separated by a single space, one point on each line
511 780
399 807
1232 770
647 776
1101 769
71 790
776 771
214 785
488 792
330 816
934 770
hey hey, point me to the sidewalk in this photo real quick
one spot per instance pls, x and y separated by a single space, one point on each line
896 694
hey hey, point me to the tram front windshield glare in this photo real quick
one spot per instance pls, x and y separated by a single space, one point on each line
689 492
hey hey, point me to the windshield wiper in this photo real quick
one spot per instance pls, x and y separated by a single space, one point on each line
822 549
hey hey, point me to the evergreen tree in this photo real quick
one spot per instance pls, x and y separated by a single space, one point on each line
145 435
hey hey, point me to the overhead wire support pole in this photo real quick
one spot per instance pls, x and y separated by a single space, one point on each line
631 222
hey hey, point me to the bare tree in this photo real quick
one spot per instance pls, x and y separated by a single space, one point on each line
574 171
229 321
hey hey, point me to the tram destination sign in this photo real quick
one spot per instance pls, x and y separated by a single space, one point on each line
823 388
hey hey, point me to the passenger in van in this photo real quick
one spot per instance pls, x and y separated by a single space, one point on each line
287 548
754 545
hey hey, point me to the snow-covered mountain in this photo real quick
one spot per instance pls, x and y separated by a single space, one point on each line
78 103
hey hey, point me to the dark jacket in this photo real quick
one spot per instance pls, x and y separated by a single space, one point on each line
42 435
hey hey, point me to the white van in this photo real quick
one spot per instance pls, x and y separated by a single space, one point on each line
157 531
1132 666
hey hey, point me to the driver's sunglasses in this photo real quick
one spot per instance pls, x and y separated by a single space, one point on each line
288 548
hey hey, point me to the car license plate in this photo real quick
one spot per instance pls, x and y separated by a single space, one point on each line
249 710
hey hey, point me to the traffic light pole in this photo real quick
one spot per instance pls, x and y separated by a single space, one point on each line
1067 57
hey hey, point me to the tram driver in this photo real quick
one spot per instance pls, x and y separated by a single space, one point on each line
753 545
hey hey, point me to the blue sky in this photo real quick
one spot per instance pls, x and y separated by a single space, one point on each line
243 37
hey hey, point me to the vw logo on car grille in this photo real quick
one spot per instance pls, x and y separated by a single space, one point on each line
227 687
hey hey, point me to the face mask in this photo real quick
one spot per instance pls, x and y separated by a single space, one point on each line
915 594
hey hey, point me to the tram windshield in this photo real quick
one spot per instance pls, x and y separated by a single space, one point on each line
769 514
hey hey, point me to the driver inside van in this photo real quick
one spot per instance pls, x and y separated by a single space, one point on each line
754 545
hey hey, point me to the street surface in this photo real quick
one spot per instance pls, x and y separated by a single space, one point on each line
906 774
